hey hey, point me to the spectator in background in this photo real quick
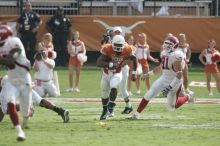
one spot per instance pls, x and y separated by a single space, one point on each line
27 26
46 44
77 52
185 48
60 26
107 37
43 67
142 53
117 30
211 67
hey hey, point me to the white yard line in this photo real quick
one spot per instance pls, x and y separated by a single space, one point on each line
155 100
186 126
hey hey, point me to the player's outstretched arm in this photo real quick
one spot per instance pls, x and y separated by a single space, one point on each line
133 59
156 70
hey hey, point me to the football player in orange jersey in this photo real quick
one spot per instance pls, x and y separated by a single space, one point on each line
113 56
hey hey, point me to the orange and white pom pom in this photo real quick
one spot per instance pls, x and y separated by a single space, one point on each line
52 54
216 57
81 57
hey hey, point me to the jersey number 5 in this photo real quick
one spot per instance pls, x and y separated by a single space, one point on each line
165 63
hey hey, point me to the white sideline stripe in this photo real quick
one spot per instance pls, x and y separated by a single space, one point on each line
185 126
154 100
201 84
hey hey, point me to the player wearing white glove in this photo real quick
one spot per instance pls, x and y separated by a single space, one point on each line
170 82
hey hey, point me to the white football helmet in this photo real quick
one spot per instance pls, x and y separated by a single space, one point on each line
118 42
170 43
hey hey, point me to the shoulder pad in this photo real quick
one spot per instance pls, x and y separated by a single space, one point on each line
162 53
127 48
106 49
179 55
15 42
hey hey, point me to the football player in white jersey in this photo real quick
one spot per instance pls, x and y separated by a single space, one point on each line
43 67
12 54
170 82
37 100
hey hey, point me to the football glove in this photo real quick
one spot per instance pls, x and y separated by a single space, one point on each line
112 66
145 76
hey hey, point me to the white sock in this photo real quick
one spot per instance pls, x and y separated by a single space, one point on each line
18 129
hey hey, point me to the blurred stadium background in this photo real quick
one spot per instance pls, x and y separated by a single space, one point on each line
199 19
194 8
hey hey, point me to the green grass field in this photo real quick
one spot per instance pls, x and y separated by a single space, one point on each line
90 84
191 125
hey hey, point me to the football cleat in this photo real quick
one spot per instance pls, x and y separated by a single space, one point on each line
136 116
189 91
65 116
127 110
21 136
104 115
111 106
191 99
111 113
